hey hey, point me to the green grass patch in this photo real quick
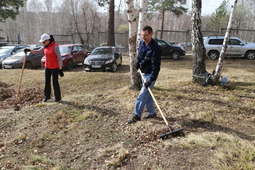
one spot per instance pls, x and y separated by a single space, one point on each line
231 152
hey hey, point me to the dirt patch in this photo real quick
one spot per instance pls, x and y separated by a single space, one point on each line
28 97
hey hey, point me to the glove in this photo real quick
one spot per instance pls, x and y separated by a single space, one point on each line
137 66
26 50
147 84
61 73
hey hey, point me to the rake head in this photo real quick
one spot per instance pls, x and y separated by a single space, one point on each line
174 133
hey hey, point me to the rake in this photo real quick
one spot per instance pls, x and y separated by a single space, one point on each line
171 131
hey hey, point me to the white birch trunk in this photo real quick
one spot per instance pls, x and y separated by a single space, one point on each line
132 24
142 18
219 65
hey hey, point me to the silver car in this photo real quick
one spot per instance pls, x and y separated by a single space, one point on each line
236 47
7 51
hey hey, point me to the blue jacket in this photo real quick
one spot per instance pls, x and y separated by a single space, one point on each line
149 58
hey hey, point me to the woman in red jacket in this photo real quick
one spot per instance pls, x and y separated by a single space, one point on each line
53 66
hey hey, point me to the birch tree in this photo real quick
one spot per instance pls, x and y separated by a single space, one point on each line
219 66
143 8
199 52
132 24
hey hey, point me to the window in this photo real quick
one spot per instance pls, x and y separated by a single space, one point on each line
80 48
161 43
215 41
234 42
75 49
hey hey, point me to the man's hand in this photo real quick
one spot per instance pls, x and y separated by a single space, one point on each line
26 50
147 84
61 73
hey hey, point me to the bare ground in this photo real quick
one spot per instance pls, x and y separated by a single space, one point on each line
89 130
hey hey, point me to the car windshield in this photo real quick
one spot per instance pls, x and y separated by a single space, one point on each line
5 50
102 51
20 53
64 49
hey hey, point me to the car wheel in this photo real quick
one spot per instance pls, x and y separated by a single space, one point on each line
114 67
28 65
175 55
213 55
250 55
70 65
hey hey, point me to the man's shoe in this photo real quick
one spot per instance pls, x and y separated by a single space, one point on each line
134 119
149 116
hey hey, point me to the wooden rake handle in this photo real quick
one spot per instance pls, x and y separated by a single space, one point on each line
20 80
162 114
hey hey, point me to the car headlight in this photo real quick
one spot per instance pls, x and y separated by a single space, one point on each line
86 61
109 61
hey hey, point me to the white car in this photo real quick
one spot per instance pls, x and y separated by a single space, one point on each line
7 51
236 47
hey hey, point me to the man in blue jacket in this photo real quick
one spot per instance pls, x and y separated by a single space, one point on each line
148 61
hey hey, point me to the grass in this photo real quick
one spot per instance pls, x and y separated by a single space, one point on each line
96 106
231 151
117 155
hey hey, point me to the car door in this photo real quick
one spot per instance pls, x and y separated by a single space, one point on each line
82 53
165 47
235 47
75 54
37 59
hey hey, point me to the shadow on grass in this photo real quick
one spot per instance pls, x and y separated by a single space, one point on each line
192 125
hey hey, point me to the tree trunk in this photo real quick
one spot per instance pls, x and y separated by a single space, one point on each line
162 24
199 53
111 37
219 66
142 18
132 24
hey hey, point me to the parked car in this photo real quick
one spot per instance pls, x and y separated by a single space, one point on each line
7 51
103 58
16 60
175 52
72 54
236 47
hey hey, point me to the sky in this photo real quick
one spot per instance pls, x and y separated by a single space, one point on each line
208 6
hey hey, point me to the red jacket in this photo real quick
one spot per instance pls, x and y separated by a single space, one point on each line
51 58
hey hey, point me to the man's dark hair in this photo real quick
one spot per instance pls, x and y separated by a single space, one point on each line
148 28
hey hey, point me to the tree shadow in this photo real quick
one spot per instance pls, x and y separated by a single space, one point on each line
194 125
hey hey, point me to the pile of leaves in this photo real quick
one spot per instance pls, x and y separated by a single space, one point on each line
27 97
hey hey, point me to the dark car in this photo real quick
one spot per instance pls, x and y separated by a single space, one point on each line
103 58
7 51
175 52
72 54
16 60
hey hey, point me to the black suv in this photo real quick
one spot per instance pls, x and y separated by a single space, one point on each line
174 52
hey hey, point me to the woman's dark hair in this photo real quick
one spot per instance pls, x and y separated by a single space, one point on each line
51 38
